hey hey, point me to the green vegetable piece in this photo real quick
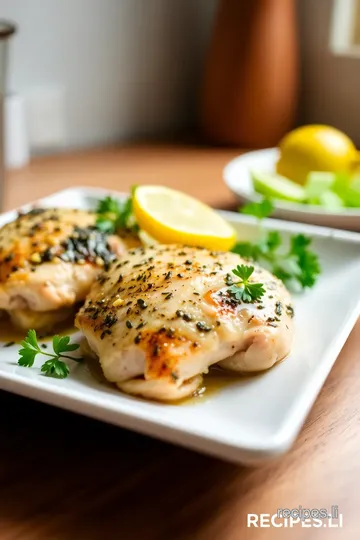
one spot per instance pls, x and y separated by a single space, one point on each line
341 184
352 196
277 186
319 182
331 201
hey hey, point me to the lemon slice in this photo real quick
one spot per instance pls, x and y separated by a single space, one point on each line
172 217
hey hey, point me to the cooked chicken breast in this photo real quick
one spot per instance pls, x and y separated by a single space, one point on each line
49 259
158 319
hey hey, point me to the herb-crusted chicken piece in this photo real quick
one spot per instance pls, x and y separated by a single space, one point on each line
49 259
159 318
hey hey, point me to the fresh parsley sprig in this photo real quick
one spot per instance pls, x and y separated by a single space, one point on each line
295 264
54 367
114 214
244 290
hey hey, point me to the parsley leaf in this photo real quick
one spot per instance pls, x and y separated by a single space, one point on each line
115 214
108 205
244 290
105 225
273 240
54 367
62 344
27 357
296 264
243 272
259 210
307 261
30 349
246 250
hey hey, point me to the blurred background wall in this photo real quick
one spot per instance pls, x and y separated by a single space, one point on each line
99 71
94 72
330 82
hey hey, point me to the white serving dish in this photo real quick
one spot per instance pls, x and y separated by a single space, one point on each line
252 420
237 176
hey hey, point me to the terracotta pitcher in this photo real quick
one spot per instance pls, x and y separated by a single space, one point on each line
249 94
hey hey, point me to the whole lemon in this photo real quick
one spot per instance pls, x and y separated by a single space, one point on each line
315 148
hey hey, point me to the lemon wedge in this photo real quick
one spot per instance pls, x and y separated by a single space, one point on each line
172 217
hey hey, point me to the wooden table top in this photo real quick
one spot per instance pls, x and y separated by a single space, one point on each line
66 477
196 170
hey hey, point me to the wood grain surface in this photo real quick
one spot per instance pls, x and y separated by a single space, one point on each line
196 170
66 477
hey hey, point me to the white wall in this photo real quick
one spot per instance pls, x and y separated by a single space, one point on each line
131 68
128 68
330 83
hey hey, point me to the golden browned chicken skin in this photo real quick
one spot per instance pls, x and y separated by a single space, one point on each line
161 316
49 259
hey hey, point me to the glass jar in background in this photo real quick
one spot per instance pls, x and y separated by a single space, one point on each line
6 30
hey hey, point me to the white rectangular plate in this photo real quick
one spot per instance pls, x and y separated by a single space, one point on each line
253 419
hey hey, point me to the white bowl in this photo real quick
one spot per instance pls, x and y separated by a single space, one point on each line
237 176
